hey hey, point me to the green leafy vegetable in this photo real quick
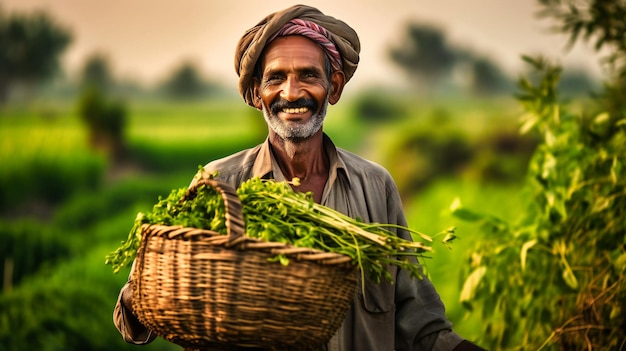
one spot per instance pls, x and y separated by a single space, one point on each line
274 212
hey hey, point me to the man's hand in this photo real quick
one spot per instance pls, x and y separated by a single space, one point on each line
127 298
468 346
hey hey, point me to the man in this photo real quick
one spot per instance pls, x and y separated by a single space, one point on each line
291 66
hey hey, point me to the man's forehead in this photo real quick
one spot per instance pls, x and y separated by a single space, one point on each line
292 48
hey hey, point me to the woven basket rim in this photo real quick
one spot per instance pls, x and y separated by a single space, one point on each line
245 242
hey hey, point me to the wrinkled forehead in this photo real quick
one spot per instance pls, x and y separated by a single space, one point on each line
291 51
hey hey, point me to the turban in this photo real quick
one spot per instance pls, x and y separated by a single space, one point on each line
338 40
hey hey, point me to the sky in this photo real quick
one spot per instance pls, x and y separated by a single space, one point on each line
146 39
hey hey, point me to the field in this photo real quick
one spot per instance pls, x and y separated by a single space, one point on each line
64 207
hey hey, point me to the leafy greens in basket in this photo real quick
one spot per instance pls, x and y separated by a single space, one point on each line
273 212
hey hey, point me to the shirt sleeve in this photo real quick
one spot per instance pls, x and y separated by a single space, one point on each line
128 325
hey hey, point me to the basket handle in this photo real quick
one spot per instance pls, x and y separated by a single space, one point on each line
235 225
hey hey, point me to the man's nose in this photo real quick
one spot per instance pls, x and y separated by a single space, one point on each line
292 89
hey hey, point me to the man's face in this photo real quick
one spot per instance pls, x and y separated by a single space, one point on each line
294 89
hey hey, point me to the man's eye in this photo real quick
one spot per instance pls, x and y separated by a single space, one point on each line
273 78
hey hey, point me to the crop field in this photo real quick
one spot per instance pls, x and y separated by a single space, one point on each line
64 207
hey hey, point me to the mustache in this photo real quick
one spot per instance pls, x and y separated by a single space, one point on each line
281 104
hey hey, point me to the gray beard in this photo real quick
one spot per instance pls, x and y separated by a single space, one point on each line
296 132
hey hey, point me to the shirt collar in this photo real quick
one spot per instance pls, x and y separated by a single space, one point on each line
266 167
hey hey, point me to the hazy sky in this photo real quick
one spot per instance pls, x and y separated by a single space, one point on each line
145 39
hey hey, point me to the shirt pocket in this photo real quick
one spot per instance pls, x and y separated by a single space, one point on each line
378 297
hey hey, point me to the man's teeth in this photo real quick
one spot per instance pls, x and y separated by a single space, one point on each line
296 110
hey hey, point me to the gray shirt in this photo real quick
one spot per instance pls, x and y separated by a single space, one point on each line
406 315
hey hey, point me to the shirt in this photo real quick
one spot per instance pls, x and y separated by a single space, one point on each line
406 315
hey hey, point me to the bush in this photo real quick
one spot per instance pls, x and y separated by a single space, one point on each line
27 247
378 107
560 271
34 185
63 316
106 120
90 208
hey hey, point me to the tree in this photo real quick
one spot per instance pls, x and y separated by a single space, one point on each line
557 278
577 82
106 119
487 78
30 47
424 54
97 73
430 60
185 82
104 114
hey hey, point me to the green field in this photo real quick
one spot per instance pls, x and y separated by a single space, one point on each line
64 207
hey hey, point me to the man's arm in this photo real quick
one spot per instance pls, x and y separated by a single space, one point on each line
468 346
421 321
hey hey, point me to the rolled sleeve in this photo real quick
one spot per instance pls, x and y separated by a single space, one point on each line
128 325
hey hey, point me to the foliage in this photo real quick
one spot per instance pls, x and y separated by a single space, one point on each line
487 78
376 106
438 142
24 189
558 276
425 53
68 308
431 61
30 46
28 247
185 82
424 154
106 119
96 73
274 212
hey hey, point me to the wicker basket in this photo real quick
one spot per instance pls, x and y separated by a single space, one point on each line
201 289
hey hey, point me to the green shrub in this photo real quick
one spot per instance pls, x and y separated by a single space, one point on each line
63 315
178 157
90 208
557 277
106 120
28 247
378 107
36 183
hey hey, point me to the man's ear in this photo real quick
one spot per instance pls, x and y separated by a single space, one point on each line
337 82
256 94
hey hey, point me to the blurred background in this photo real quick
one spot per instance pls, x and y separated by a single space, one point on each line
107 105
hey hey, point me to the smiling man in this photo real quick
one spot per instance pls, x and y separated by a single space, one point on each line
291 66
293 88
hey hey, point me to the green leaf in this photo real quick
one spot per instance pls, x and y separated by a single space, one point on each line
463 213
448 238
527 245
616 312
601 118
529 121
570 278
616 169
620 263
600 204
471 284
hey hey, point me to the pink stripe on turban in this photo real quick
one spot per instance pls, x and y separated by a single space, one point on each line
314 32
